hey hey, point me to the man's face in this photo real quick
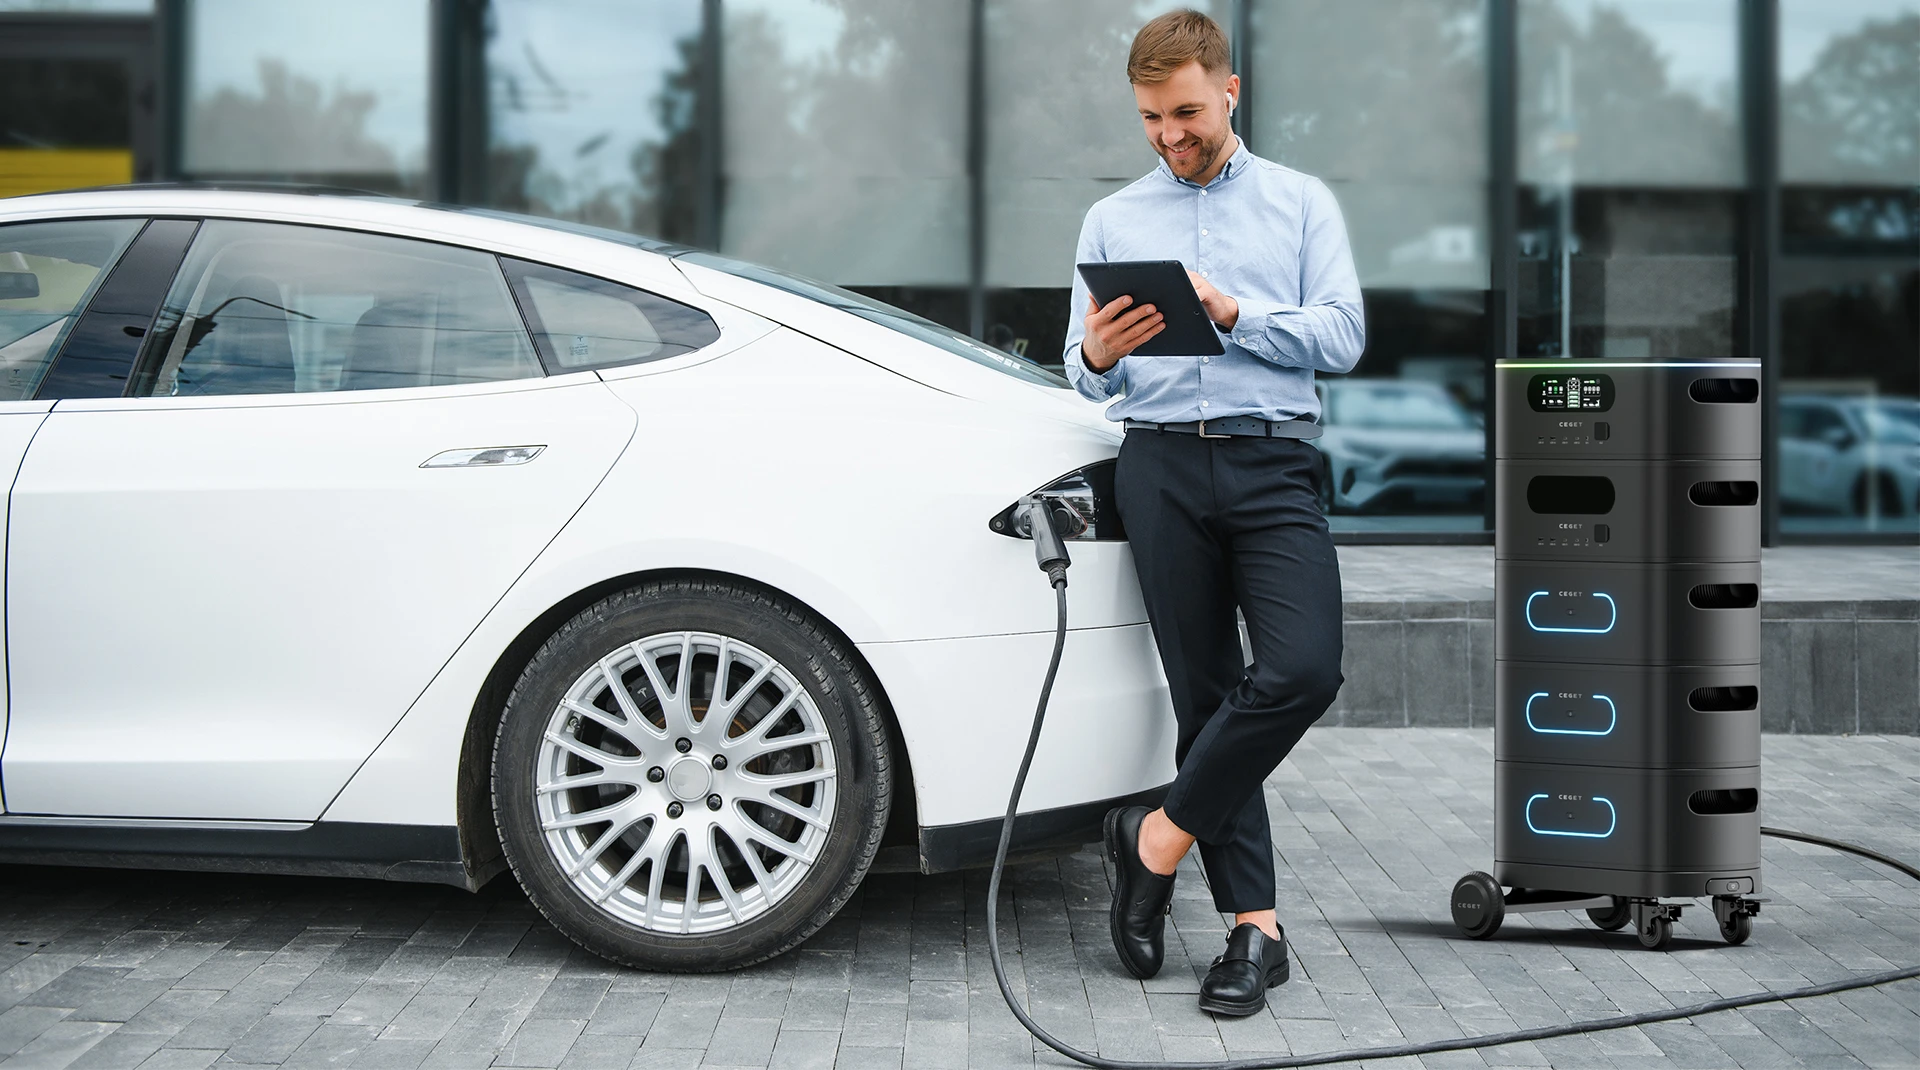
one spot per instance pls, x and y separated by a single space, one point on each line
1186 118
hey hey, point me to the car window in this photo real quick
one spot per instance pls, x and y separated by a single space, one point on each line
1409 407
1818 420
1884 426
886 316
48 272
579 321
269 308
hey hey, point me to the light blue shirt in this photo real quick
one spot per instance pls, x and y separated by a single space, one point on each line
1265 235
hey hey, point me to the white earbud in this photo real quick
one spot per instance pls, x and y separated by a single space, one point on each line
1229 103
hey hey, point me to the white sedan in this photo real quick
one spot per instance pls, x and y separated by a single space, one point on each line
354 536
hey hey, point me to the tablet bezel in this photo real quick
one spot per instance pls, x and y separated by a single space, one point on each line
1163 284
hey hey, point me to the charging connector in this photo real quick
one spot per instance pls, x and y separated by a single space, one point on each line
1042 519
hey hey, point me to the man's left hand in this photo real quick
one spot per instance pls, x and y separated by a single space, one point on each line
1220 308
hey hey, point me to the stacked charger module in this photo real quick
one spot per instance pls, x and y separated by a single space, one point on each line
1627 650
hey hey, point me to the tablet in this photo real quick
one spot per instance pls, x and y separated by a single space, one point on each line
1164 285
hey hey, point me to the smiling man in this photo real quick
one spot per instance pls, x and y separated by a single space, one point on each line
1217 486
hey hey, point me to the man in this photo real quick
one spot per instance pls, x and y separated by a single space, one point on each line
1216 486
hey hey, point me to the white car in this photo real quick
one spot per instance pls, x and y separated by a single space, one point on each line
1398 445
354 536
1849 454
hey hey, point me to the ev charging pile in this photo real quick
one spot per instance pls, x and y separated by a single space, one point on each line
1627 645
1627 678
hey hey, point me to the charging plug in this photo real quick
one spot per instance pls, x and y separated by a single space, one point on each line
1042 520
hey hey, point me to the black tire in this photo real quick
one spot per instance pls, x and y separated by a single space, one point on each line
1611 918
1478 905
818 661
1656 933
1883 488
1737 928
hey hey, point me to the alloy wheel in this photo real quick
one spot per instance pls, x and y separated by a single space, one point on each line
685 783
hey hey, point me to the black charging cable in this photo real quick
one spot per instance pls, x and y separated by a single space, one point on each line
1042 519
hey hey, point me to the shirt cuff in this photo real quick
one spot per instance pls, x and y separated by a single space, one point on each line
1249 328
1095 386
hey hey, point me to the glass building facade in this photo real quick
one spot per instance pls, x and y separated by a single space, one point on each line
1632 179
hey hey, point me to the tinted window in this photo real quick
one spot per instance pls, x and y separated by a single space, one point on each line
582 322
263 308
886 316
48 271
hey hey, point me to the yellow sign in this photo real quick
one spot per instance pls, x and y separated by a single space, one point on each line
24 171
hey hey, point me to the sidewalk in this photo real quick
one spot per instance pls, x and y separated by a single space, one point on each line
102 969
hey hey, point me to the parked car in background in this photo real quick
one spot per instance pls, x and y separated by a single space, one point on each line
1848 454
1398 444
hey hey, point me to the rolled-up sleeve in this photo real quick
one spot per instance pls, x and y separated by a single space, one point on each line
1327 330
1092 385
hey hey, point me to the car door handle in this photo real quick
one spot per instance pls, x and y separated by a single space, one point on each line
484 457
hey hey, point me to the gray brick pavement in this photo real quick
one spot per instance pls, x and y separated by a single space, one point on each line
105 970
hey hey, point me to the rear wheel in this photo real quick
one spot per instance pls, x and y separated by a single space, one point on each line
1885 492
691 775
1612 917
1479 906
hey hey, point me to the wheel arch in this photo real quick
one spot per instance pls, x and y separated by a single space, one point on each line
480 838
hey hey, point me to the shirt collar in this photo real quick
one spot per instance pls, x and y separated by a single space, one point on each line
1236 163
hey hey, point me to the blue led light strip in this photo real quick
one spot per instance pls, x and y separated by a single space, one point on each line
1613 820
1613 718
1615 619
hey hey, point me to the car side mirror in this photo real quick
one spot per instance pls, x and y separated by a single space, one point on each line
1838 437
15 285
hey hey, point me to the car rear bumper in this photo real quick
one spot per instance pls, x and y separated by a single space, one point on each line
965 707
944 848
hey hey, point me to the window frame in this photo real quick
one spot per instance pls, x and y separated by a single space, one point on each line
151 358
78 313
517 269
162 254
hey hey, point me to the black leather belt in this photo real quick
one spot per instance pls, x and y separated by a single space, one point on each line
1232 426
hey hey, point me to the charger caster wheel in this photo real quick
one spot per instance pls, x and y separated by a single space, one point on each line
1655 933
1478 905
1735 916
1611 918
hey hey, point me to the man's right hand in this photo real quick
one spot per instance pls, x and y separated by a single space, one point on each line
1116 330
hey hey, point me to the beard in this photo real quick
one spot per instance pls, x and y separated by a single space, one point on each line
1200 161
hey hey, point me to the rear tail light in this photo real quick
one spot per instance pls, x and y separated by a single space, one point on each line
1088 495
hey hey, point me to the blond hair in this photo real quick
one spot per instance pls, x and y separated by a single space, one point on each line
1174 40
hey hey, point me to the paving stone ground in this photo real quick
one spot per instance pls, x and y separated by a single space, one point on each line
104 969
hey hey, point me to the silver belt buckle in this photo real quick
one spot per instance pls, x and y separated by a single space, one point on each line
1203 432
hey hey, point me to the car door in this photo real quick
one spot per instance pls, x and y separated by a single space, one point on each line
340 452
49 271
1823 459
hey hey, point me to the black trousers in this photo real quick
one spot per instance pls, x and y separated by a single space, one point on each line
1218 523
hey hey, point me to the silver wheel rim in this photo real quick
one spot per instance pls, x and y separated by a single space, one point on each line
694 840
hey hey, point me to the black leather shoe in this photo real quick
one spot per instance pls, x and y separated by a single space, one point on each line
1138 916
1238 982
